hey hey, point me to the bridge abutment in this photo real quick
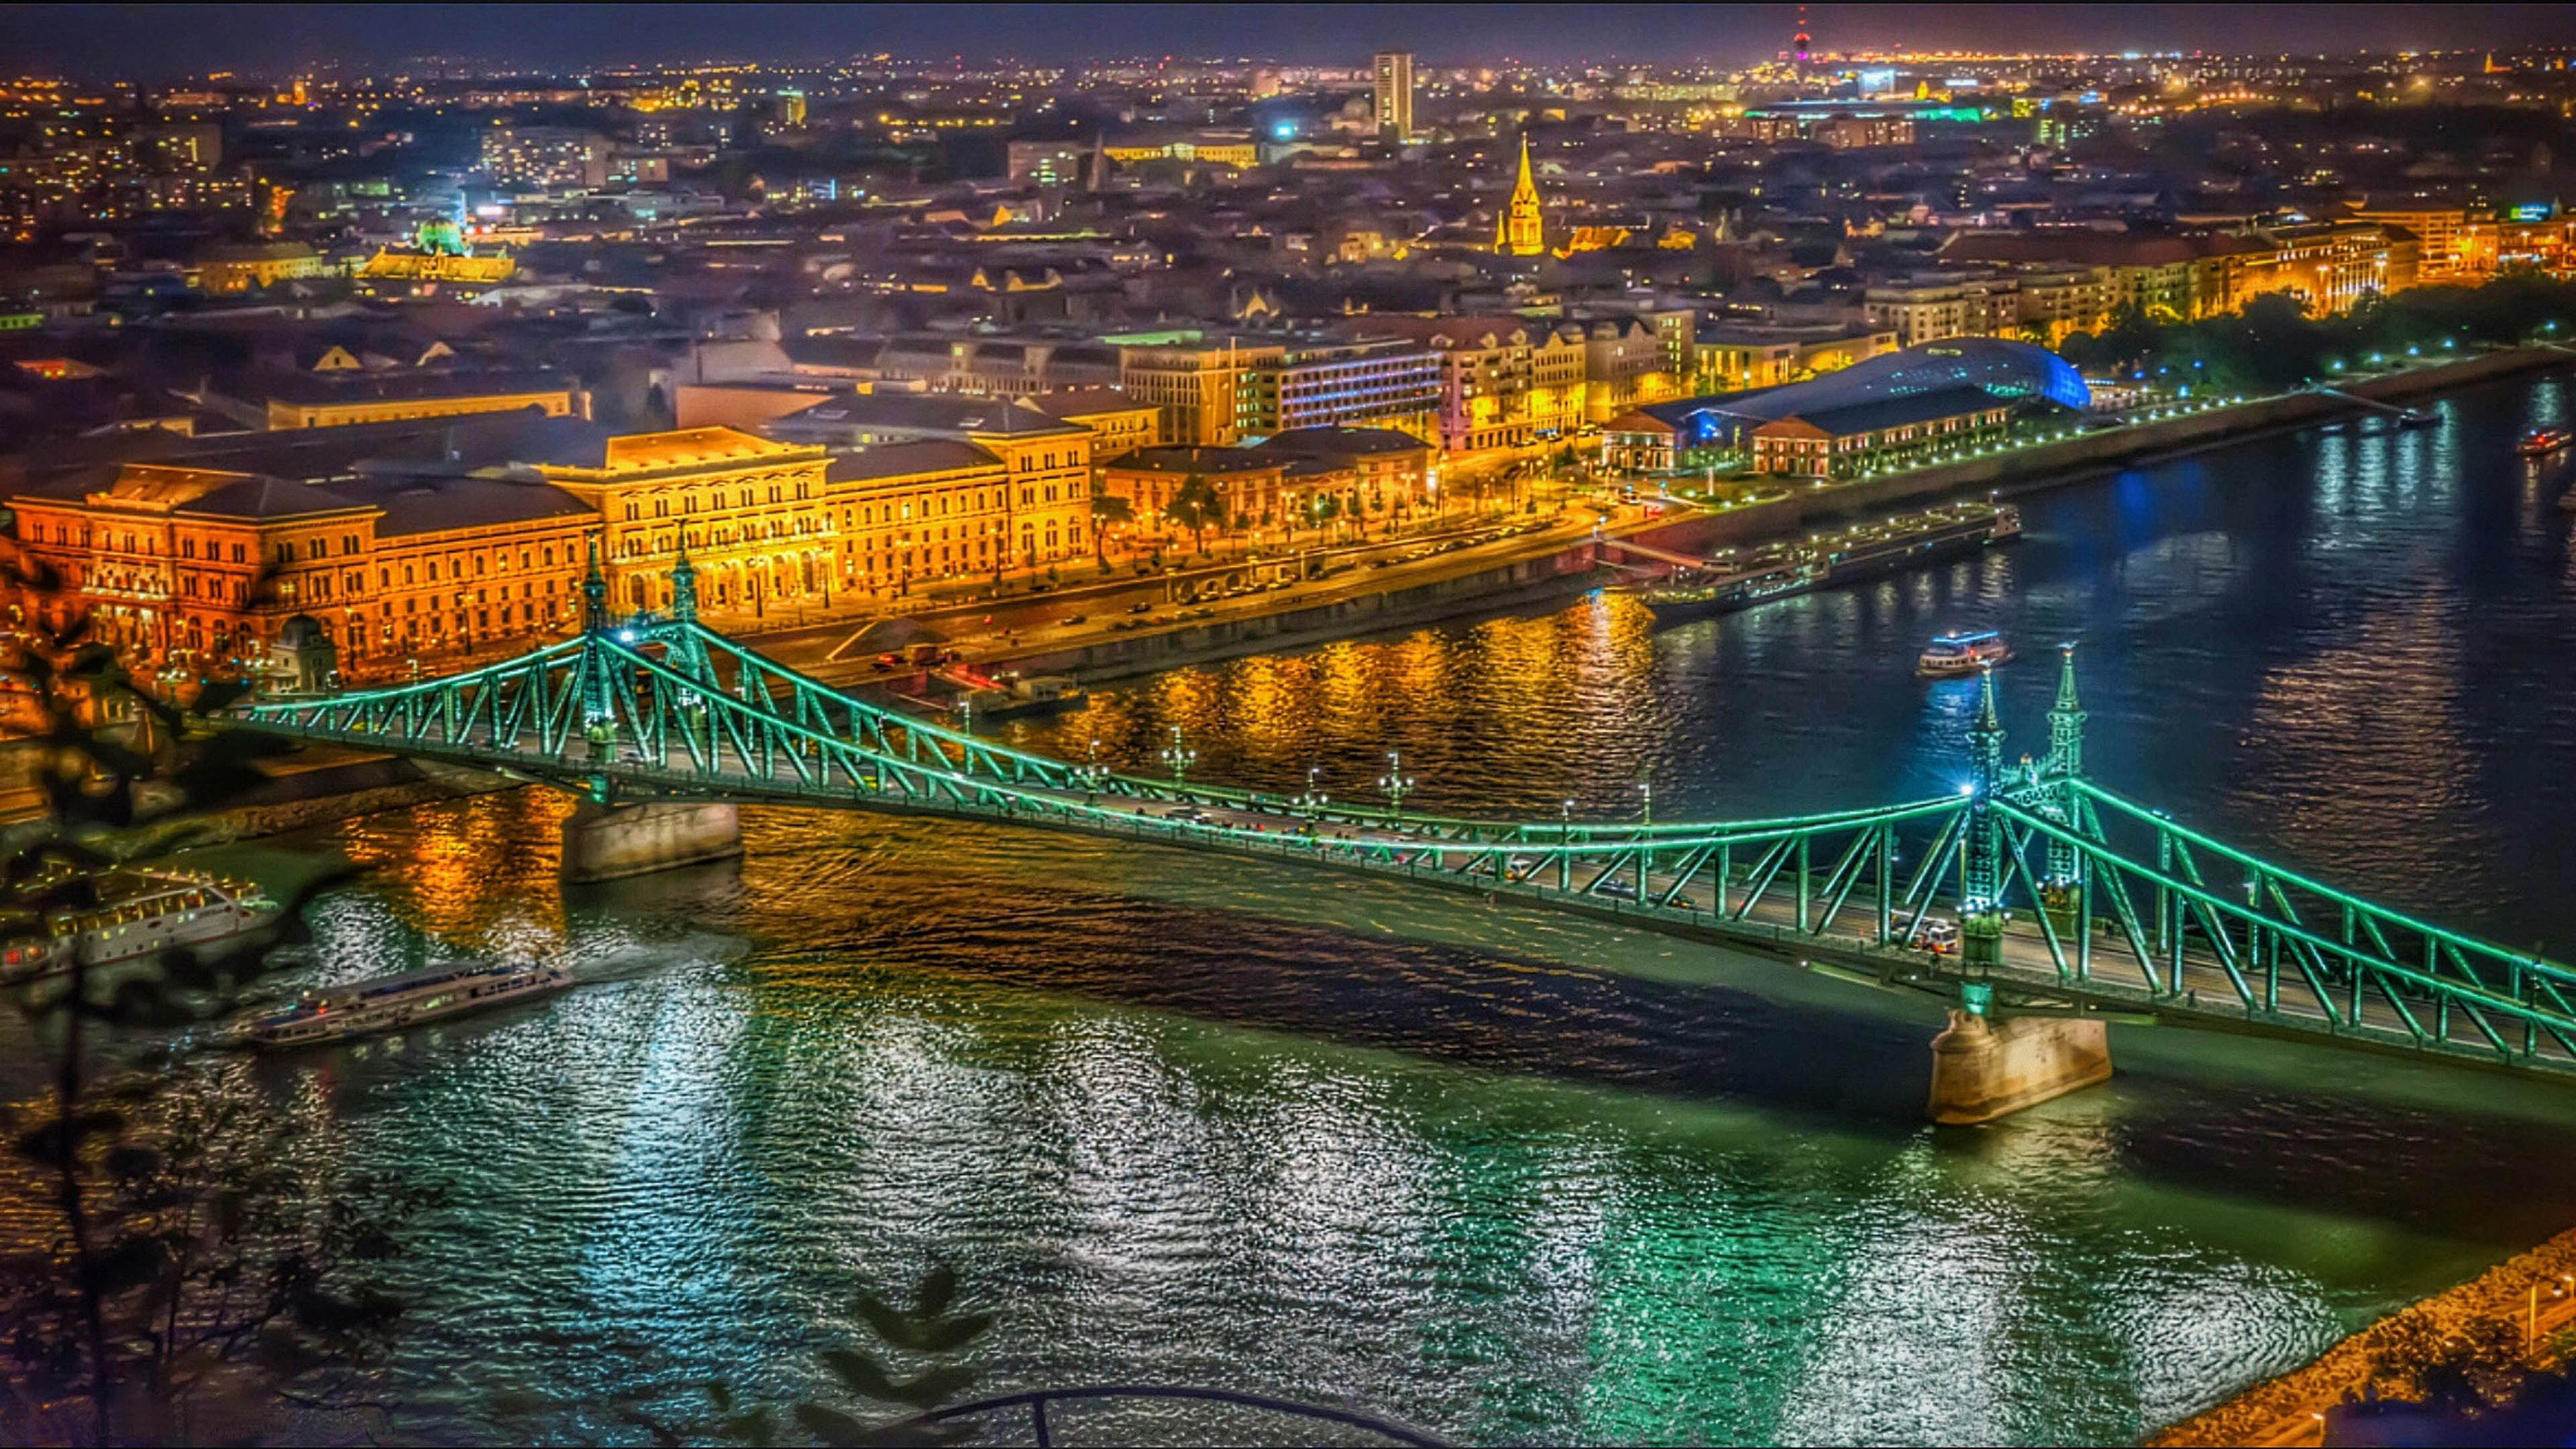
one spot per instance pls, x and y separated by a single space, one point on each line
1984 1069
612 842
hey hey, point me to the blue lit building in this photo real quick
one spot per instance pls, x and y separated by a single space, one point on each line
1654 438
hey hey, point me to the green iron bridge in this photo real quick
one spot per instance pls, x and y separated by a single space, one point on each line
2069 899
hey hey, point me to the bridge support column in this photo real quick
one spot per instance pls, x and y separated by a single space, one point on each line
611 842
1984 1069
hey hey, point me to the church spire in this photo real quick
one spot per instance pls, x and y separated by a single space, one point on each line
1521 231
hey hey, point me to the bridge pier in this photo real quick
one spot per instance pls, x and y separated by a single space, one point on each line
612 842
1984 1069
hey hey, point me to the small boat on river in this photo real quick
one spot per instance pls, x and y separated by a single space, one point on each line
390 1003
1954 655
2541 442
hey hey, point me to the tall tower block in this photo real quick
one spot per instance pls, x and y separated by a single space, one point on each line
1394 73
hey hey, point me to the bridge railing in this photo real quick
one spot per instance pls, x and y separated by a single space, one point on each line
2156 904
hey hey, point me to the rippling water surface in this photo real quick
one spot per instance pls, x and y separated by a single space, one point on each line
1509 1177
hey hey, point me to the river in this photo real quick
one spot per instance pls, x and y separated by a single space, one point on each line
1504 1176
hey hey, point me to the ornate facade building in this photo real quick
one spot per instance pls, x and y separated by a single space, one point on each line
440 550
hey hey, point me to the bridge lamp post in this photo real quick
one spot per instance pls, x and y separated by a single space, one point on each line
1565 856
1091 774
1645 843
1179 758
1395 783
1314 800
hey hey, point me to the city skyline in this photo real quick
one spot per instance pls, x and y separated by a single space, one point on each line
143 42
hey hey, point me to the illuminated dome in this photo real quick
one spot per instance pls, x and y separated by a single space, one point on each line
2006 369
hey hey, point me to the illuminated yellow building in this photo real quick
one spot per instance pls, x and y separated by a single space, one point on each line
198 565
1732 359
1222 148
423 554
249 266
389 265
1521 231
751 512
332 400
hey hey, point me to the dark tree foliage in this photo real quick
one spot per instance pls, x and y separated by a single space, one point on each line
2273 345
187 1280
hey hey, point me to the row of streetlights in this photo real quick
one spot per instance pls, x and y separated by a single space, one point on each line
1395 784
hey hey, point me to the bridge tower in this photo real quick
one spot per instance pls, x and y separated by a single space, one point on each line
598 712
687 653
2065 767
1981 852
604 840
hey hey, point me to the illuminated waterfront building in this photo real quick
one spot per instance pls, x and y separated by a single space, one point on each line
1012 491
194 565
1839 442
1661 437
1521 231
1247 484
751 512
1737 357
458 546
1365 472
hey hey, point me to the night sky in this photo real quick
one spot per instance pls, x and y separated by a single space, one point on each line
146 41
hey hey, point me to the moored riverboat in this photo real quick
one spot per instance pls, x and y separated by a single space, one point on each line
141 913
1853 555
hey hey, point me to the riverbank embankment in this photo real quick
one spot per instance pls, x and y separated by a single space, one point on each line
314 785
1554 569
2380 1360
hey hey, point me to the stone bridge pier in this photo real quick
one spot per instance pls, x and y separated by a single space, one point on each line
612 842
1983 1068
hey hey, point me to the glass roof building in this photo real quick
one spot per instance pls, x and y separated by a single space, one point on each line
2003 368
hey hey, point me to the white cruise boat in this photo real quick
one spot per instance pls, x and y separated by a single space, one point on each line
1953 655
146 912
389 1003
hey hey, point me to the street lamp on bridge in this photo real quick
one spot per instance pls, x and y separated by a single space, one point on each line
1092 774
1645 842
1395 783
1314 800
1179 758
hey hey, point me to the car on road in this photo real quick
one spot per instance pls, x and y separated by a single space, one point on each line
1070 619
1140 608
1936 935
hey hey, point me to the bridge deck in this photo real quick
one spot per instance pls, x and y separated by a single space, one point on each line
1761 915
